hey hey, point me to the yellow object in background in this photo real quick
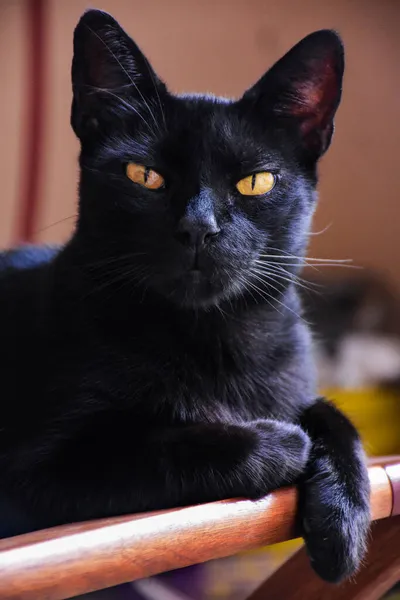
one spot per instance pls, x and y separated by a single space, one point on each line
376 415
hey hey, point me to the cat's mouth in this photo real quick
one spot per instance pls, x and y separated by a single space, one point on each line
195 276
197 272
196 262
196 286
200 279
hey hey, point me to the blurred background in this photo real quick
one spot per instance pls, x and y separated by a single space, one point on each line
223 46
220 46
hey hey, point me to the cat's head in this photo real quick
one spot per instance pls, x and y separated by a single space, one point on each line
198 195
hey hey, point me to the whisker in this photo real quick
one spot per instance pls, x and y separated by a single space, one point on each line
124 102
125 71
264 295
309 258
245 284
46 227
285 255
321 231
333 264
276 269
113 259
261 280
122 274
128 281
150 70
279 301
317 264
293 280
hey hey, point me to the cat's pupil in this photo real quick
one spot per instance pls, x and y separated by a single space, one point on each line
253 181
146 174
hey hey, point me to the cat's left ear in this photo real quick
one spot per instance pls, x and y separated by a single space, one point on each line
303 90
110 75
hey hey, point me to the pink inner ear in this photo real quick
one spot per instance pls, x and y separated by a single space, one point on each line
313 102
316 97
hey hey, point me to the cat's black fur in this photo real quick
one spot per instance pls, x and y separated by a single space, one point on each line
147 364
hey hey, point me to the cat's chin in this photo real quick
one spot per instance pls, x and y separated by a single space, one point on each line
194 290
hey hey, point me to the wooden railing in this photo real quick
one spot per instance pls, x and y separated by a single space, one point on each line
73 559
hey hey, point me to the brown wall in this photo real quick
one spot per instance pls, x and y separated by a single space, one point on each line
12 55
223 46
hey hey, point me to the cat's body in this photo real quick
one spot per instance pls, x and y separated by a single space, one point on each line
81 355
153 361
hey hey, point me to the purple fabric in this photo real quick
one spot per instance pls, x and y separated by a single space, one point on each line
190 581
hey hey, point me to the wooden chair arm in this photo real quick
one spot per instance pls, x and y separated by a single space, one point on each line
73 559
295 579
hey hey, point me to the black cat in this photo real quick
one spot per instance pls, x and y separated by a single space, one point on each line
160 358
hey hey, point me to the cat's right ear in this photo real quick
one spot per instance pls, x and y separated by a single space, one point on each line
111 77
303 91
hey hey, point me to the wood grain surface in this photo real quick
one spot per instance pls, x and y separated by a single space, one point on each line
65 561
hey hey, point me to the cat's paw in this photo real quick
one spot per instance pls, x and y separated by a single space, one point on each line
279 456
334 523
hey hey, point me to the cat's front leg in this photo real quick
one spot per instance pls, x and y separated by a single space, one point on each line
228 460
200 462
334 494
114 465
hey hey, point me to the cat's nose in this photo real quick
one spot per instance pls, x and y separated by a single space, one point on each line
197 231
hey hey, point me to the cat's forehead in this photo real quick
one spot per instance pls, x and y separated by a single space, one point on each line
214 129
201 113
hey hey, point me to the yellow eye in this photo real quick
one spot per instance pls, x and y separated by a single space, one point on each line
258 183
144 176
